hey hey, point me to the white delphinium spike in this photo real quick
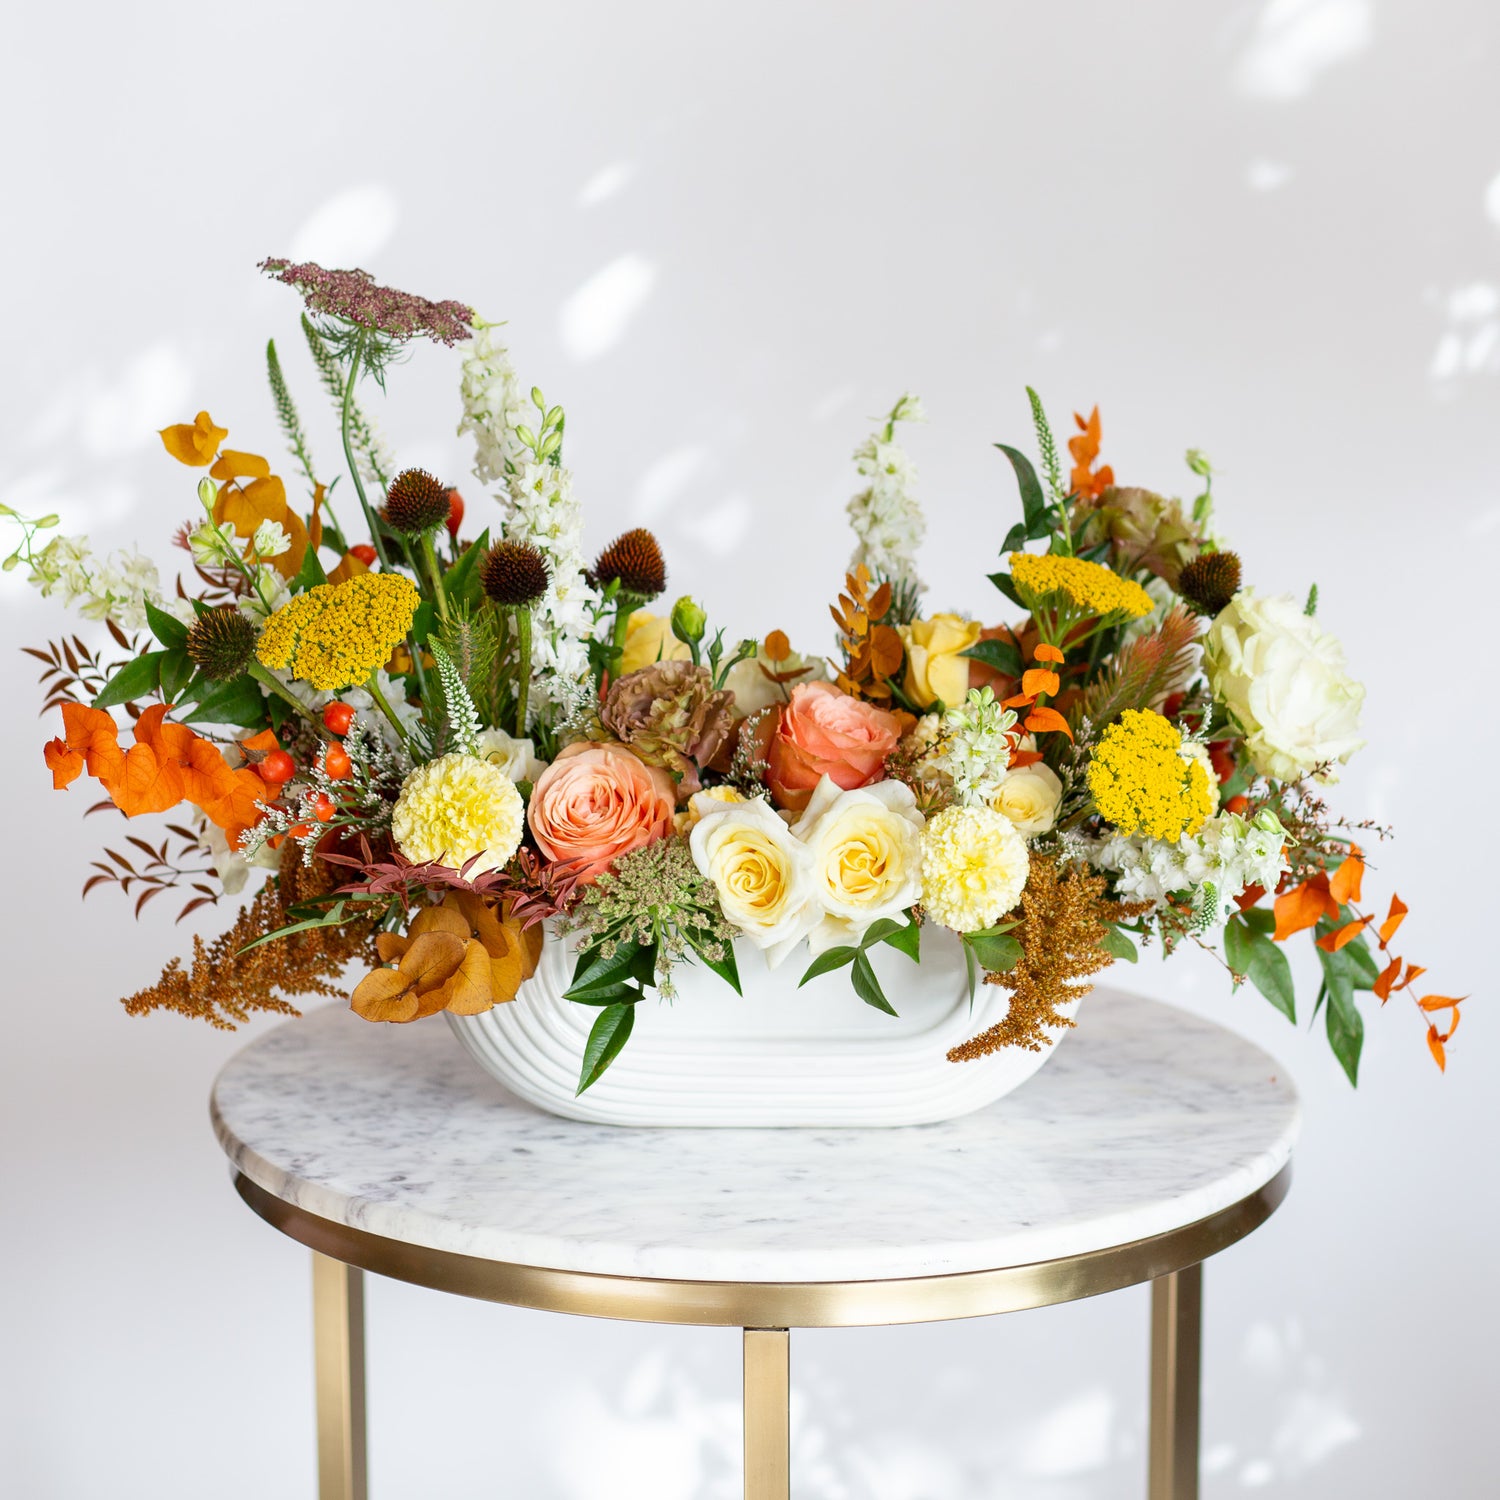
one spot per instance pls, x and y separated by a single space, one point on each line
887 520
494 405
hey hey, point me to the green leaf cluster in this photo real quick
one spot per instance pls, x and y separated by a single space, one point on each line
905 936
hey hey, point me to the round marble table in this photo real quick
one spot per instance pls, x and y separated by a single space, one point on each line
1150 1142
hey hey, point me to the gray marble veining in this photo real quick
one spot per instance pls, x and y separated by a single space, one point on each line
1146 1120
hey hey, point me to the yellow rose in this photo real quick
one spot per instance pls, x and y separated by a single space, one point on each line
865 850
934 668
1029 797
649 638
762 873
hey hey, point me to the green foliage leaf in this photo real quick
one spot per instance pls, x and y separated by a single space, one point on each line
867 985
1346 1027
998 952
134 680
971 967
1259 919
461 581
1363 969
310 574
609 1034
1118 945
827 961
879 932
1001 655
176 672
168 629
726 968
596 977
1033 501
907 939
1262 962
238 701
330 918
1003 582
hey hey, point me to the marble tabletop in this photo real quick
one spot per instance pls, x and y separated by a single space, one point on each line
1146 1120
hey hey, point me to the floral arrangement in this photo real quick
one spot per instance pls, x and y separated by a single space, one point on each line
430 746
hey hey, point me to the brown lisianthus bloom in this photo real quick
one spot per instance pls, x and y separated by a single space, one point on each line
671 716
465 956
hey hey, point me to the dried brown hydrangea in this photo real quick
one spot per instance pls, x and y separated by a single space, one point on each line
1064 916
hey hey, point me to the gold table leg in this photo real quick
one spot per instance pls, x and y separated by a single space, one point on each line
1176 1350
767 1423
339 1360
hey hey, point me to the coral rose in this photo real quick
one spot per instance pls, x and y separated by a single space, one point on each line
596 802
824 732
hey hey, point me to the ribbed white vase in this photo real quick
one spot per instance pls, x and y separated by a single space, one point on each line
776 1055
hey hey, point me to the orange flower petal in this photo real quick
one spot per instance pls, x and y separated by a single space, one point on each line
1038 680
1331 942
1388 977
1044 652
1303 906
1041 719
1394 918
1348 878
1435 1046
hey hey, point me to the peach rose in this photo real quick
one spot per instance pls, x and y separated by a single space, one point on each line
596 802
824 732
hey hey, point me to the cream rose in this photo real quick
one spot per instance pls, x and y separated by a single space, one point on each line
763 874
934 668
1029 797
1283 680
754 690
865 851
517 758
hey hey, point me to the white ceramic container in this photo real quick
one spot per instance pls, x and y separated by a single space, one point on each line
776 1055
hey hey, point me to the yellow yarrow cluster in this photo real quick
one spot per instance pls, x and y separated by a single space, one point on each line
456 807
1090 586
1143 783
335 635
974 867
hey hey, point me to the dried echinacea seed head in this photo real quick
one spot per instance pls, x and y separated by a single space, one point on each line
1210 581
221 643
514 574
633 560
416 503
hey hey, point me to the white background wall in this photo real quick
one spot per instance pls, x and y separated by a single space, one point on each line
725 238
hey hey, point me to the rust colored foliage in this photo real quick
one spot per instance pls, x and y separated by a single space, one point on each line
1064 917
1326 896
225 986
1085 480
873 652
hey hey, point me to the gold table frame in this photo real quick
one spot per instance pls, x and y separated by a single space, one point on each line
767 1312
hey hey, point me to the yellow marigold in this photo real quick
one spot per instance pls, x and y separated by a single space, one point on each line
1142 782
456 807
1090 586
974 867
335 635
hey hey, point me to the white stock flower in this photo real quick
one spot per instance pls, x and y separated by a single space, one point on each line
886 519
865 847
115 587
761 870
493 405
1283 679
976 746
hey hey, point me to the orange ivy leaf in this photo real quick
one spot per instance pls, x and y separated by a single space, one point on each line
1347 879
1331 942
1041 719
1393 920
1435 1046
1038 680
1303 906
1387 978
1044 652
233 465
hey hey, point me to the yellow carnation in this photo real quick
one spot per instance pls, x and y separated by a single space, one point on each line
455 808
1142 781
974 867
335 635
1088 586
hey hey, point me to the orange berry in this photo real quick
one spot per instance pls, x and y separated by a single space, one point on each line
323 808
336 762
277 768
338 716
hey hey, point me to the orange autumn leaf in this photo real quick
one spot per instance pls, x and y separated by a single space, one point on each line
1386 979
1044 652
194 443
1038 680
1040 719
233 465
90 742
264 499
1022 758
1348 878
777 647
1435 1046
349 567
1303 906
1085 449
1443 1002
1393 920
1331 942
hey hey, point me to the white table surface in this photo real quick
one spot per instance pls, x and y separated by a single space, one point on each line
1147 1119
